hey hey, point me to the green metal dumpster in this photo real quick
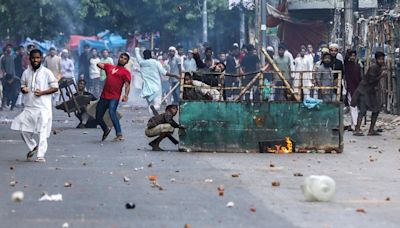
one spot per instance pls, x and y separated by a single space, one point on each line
240 126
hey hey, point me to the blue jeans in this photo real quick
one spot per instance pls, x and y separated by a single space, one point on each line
101 109
176 92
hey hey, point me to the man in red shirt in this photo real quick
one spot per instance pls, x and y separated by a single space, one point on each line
117 77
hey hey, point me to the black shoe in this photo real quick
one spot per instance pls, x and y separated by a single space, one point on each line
105 134
80 125
31 153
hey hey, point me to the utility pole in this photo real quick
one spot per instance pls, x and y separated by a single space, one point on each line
348 24
242 25
205 23
263 27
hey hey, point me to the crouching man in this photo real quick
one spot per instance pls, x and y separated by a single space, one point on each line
162 125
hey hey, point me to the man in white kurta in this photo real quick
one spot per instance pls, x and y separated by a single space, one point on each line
151 71
37 85
302 77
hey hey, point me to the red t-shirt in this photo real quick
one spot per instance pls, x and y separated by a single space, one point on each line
116 77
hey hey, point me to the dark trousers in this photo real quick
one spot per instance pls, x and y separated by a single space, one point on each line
101 109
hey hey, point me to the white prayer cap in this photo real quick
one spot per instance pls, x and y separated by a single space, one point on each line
236 45
65 51
270 48
172 48
333 45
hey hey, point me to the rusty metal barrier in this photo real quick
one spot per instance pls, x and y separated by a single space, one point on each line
293 86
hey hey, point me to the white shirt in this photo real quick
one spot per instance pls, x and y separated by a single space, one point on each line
94 70
67 68
37 113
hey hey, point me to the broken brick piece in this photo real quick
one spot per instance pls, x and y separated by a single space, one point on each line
276 183
361 210
152 178
236 175
253 209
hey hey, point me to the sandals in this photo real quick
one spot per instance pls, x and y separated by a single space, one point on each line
40 159
358 133
374 133
31 153
119 138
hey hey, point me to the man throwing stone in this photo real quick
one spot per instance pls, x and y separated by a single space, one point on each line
37 85
117 77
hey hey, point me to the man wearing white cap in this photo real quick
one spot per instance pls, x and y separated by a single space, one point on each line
67 65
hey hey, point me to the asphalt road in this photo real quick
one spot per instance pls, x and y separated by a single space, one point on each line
366 179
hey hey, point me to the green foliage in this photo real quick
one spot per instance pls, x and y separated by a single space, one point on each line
173 18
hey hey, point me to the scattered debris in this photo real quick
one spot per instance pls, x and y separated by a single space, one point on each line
221 190
57 168
130 205
253 209
276 168
55 197
150 165
17 196
372 159
13 183
137 169
65 225
353 141
230 204
85 132
12 167
361 210
153 178
387 199
271 165
236 175
156 185
173 180
126 179
208 180
373 147
67 184
84 164
318 188
297 174
187 226
276 183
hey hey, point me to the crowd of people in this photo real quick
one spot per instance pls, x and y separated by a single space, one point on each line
156 74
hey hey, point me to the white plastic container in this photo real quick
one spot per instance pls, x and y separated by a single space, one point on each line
318 188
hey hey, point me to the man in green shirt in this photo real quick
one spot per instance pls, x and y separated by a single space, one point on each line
283 63
105 58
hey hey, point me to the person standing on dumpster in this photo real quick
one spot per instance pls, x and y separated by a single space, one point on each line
366 97
117 77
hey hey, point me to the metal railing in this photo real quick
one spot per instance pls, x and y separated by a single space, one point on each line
267 85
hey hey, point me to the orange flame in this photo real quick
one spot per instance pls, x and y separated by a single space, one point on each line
288 148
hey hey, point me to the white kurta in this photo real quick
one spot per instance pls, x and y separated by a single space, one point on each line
37 114
302 64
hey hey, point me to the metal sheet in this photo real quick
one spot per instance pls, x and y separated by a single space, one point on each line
238 127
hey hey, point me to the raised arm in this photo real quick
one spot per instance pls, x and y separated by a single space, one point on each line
138 56
196 56
100 65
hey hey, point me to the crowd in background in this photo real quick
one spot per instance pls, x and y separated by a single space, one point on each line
302 70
